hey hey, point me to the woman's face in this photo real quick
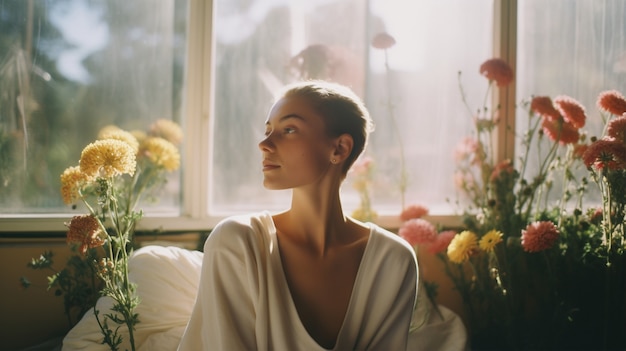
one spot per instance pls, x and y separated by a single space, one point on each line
296 149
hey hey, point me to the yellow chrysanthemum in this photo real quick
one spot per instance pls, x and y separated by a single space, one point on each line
489 241
108 158
139 135
161 152
72 179
119 134
107 130
462 246
167 130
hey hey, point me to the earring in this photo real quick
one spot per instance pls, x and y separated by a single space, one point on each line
333 161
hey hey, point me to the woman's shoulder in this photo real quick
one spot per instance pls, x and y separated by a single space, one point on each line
240 230
386 239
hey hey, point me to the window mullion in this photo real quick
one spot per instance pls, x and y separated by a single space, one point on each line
505 47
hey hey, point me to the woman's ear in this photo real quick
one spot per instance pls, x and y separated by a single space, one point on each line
343 147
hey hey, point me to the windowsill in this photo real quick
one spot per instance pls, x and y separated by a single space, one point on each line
55 224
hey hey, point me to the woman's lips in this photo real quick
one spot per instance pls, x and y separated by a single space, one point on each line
268 166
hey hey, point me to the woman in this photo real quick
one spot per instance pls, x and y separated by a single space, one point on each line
309 278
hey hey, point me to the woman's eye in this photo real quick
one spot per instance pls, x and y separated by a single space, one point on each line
289 130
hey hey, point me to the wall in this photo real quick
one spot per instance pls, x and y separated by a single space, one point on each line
31 316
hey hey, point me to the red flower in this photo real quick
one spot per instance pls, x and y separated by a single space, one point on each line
560 130
605 153
413 212
383 41
504 166
612 102
418 231
539 236
497 70
86 231
571 110
542 105
617 128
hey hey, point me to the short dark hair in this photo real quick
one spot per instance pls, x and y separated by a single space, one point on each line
343 112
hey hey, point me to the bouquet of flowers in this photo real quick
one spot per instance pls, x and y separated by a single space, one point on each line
534 267
114 174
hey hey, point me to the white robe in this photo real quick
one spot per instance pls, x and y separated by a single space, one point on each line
244 302
168 279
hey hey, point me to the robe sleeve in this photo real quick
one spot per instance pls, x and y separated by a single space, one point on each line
400 296
223 316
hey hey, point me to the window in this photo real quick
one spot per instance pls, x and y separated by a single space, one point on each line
69 67
262 45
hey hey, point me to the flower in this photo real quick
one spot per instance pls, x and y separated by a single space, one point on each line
523 275
160 152
605 153
72 180
113 173
413 211
108 158
613 102
543 106
504 167
571 110
497 70
85 230
468 149
418 231
383 41
560 130
113 132
539 236
462 246
441 242
168 130
489 241
616 128
362 171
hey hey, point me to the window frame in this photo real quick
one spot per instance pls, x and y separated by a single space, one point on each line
197 126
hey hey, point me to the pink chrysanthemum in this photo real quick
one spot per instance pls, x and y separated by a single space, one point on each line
464 181
559 130
413 212
497 70
543 106
605 153
539 236
571 110
362 166
467 149
617 128
613 102
418 231
86 231
441 242
383 41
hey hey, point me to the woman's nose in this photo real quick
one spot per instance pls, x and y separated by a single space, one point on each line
266 144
